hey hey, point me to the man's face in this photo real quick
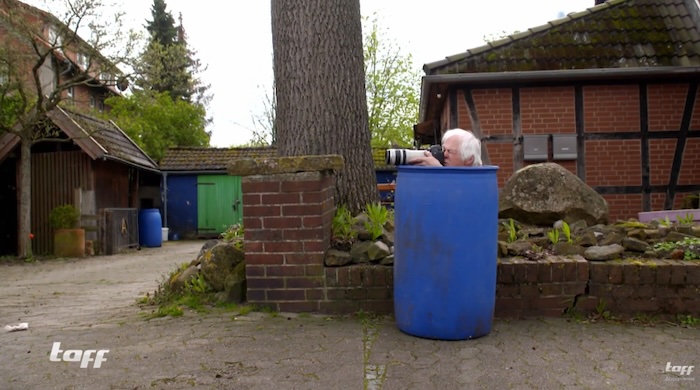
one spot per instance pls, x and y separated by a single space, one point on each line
452 156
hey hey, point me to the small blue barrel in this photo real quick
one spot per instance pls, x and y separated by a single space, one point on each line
446 244
150 228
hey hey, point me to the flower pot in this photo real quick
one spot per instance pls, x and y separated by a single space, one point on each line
69 243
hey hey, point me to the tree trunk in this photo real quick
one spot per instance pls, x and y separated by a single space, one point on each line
25 199
320 86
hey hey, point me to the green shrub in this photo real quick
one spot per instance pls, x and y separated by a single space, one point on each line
377 215
64 217
342 225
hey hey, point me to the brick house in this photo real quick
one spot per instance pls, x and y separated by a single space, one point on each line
610 93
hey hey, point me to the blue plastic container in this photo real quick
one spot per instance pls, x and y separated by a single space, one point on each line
150 228
446 244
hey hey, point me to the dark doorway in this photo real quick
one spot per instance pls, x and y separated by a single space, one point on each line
8 202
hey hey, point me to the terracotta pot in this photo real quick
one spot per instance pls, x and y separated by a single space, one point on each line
69 243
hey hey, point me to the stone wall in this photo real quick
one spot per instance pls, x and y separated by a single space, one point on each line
287 219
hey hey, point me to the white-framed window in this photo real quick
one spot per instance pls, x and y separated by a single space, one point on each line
54 37
100 105
83 61
70 92
92 101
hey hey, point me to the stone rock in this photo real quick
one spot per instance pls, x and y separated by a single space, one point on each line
378 250
502 248
543 193
388 237
567 249
653 234
235 285
637 233
587 239
635 244
696 230
178 281
611 238
336 258
542 242
578 227
207 245
358 252
389 225
676 236
519 248
602 253
219 262
389 260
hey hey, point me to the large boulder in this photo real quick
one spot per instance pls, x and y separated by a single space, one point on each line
541 194
220 263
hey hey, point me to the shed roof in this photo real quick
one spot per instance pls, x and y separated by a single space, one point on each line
615 34
96 137
196 159
209 159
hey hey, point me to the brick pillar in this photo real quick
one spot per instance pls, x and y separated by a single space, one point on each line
287 219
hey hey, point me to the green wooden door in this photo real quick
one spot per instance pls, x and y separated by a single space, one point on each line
219 203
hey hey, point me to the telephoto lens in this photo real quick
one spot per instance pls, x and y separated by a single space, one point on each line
404 156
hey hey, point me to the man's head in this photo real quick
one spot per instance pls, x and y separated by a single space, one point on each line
461 148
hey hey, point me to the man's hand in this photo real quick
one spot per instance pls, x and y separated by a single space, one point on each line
427 160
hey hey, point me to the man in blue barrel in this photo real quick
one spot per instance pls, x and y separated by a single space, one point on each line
461 149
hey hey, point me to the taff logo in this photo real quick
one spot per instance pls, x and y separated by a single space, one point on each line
680 370
77 355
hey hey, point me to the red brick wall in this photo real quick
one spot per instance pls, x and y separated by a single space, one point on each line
607 108
547 110
611 108
287 220
666 102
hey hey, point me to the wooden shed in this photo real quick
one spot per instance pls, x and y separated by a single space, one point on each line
200 199
92 164
610 93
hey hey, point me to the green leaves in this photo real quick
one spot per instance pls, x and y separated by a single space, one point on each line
392 84
378 216
155 122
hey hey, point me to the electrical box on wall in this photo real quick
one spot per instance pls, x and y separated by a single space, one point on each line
536 147
564 146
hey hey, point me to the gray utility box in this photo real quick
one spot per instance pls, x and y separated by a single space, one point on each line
564 146
536 147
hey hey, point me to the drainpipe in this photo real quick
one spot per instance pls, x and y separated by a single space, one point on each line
165 199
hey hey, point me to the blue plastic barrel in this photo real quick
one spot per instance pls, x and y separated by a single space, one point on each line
150 228
446 243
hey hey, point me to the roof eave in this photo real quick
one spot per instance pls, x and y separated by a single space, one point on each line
569 75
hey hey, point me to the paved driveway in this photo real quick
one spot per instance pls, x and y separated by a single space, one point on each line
89 304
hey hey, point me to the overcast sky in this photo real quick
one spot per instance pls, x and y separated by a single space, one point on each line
234 39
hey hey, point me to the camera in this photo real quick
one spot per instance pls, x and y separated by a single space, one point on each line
404 156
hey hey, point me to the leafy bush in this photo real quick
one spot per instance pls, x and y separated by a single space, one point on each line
234 234
64 217
378 215
341 228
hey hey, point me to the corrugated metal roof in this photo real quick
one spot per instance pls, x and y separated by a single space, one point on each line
615 34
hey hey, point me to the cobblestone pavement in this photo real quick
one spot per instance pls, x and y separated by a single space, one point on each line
89 304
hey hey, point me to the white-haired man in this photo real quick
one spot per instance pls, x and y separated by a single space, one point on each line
461 148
